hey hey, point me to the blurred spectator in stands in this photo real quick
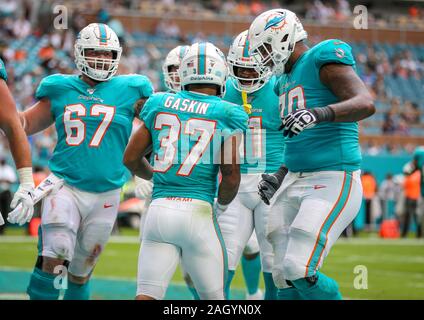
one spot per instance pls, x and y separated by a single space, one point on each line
342 10
242 8
395 105
409 64
228 7
21 28
373 149
402 127
77 21
399 68
384 65
8 8
413 12
389 126
387 193
379 89
369 185
7 179
369 77
393 148
257 7
168 29
45 143
411 113
412 194
319 11
199 37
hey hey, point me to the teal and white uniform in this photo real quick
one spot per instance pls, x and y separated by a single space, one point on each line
329 146
3 73
93 126
177 172
180 224
322 193
263 152
264 143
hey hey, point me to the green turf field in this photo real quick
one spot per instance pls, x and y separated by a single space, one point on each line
395 268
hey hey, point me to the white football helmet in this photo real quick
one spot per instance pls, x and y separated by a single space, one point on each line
203 64
273 35
97 36
238 57
173 58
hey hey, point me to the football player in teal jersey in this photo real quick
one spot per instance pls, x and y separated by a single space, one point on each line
321 98
144 188
93 115
172 82
417 163
194 134
19 146
263 152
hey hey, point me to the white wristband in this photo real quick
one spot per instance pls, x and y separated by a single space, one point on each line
221 207
25 176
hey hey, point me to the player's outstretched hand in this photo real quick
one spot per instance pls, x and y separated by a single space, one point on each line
297 121
23 203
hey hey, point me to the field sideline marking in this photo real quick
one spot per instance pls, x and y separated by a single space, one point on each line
111 278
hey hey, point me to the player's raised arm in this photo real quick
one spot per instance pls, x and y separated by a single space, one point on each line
356 103
134 160
38 117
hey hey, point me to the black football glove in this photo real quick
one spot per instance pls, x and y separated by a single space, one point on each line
270 183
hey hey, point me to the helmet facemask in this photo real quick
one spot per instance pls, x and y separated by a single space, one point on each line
248 84
269 57
98 69
172 78
273 36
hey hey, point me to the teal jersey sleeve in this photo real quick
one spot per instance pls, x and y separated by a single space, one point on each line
334 51
279 81
231 93
143 85
236 118
50 87
3 73
148 113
